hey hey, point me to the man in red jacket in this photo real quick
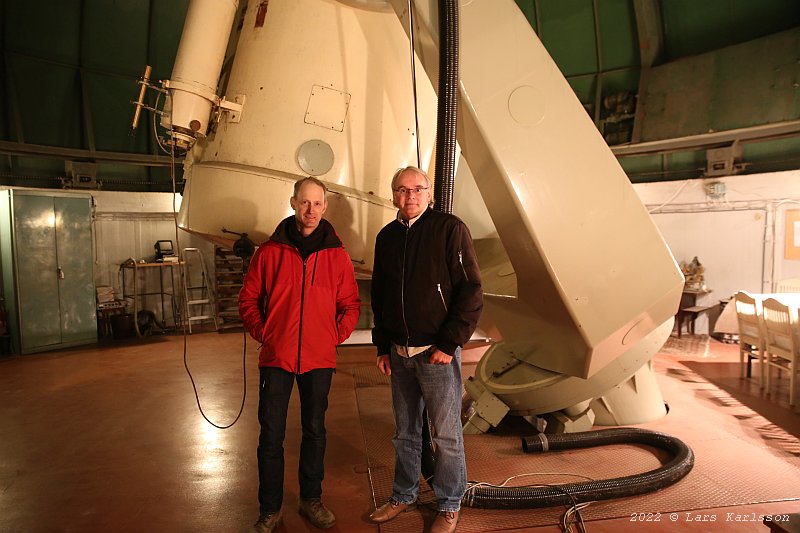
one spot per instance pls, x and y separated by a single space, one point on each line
299 300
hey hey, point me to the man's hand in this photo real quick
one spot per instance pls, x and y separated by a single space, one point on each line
383 365
438 357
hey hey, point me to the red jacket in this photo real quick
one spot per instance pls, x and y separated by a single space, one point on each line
299 310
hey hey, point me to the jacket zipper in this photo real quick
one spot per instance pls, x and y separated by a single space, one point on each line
302 302
403 289
314 273
441 295
461 261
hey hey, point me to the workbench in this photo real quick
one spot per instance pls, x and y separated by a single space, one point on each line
165 292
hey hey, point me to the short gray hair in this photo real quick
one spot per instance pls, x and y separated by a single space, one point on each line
421 173
299 183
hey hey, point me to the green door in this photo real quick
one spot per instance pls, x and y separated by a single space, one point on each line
37 276
75 275
53 241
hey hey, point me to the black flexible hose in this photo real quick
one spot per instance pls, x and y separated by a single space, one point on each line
447 106
569 494
445 168
532 497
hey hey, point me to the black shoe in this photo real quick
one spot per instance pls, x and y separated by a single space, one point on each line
319 515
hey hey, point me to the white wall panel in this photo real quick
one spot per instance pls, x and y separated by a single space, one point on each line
729 244
127 226
739 236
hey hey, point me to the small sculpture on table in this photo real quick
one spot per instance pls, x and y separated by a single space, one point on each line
694 274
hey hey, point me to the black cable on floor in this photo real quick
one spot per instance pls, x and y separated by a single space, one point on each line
244 381
183 324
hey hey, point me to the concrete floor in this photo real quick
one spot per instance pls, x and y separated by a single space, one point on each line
109 438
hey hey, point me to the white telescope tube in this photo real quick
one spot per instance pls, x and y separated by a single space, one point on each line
198 62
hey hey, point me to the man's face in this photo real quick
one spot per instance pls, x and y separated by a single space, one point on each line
308 207
408 201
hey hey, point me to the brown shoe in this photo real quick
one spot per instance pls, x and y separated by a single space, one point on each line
389 510
446 522
319 515
267 523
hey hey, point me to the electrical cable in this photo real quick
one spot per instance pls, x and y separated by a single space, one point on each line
567 518
183 323
680 189
414 77
572 511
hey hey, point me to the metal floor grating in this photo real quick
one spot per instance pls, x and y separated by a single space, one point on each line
738 459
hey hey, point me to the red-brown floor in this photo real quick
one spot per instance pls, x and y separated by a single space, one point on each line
109 438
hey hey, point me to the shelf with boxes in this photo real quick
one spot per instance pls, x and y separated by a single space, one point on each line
229 271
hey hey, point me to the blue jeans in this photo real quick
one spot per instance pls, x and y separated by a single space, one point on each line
275 391
415 384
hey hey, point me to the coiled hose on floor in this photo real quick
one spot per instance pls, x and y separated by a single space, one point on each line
487 497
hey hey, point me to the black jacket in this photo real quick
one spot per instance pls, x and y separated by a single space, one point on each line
426 285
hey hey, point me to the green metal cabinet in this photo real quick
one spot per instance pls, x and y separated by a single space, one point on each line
47 261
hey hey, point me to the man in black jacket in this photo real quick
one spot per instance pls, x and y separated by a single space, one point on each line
426 300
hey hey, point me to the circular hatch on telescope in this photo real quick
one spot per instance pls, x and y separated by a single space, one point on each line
315 157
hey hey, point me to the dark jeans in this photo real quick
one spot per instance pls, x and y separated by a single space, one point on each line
275 390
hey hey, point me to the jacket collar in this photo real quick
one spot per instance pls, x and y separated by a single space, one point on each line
413 220
329 237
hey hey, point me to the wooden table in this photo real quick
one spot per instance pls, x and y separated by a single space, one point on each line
689 310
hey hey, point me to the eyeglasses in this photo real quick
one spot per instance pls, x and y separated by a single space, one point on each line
404 191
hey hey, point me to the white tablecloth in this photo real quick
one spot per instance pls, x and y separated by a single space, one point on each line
727 322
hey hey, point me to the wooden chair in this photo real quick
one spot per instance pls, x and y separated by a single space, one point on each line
788 285
751 334
782 349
